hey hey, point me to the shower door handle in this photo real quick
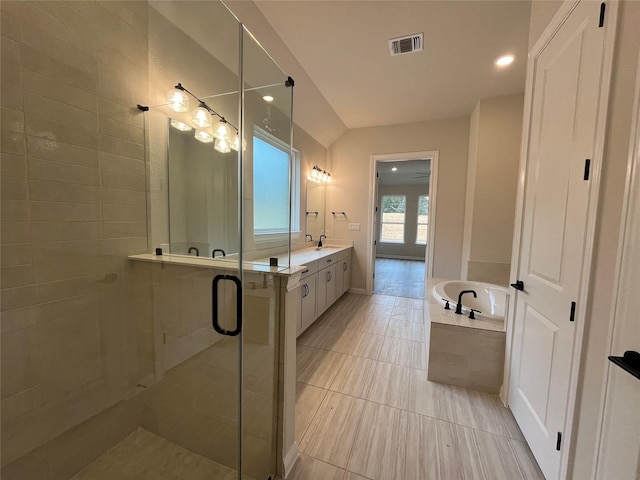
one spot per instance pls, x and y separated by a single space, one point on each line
214 305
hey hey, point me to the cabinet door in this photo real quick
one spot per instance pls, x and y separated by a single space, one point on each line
326 288
331 277
344 276
309 292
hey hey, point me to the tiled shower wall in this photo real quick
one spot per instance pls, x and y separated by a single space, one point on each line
73 208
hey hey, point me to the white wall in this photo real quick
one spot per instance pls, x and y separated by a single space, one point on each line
408 249
596 342
350 160
494 151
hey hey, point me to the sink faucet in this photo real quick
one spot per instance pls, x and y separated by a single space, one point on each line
213 254
459 305
320 241
196 249
310 237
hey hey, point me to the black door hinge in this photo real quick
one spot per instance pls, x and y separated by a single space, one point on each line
587 168
572 316
376 209
559 441
377 174
603 7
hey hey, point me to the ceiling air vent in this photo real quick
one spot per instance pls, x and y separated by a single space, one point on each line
402 45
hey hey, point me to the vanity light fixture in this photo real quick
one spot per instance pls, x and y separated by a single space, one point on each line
222 145
504 60
203 136
222 131
178 125
235 143
177 100
319 176
200 117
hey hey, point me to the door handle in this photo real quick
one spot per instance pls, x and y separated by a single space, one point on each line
305 290
344 267
629 362
214 304
329 276
519 285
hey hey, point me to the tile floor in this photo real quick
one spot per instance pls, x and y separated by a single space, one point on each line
402 278
365 409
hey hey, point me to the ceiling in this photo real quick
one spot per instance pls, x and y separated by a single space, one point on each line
408 172
343 47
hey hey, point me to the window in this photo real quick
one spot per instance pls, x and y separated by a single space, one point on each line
423 219
393 214
271 185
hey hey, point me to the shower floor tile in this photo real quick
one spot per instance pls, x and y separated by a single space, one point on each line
146 456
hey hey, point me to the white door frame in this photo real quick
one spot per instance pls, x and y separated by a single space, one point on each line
619 289
596 166
431 155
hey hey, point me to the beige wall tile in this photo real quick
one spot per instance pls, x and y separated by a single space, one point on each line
14 188
44 251
11 96
54 89
52 191
119 196
125 229
124 181
42 127
116 163
126 113
62 172
15 210
122 213
15 232
16 254
65 212
10 48
22 402
117 146
124 131
60 112
125 245
51 149
12 142
18 319
12 120
13 165
11 83
17 276
59 231
20 371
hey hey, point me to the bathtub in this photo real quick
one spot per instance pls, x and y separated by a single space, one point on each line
491 301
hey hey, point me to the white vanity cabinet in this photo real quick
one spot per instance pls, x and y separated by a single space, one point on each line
327 282
326 277
343 280
308 292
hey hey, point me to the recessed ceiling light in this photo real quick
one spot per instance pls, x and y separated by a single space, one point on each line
268 98
505 60
394 169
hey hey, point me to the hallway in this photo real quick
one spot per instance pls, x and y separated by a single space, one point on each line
400 278
365 409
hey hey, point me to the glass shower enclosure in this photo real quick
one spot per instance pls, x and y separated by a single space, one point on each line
185 368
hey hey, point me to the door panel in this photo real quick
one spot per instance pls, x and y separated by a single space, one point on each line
566 92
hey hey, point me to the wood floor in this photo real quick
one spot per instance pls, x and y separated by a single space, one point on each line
365 409
400 278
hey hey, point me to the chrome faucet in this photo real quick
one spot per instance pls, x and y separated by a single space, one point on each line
196 249
459 305
310 237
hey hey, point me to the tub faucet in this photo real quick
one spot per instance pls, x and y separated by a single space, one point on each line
459 305
310 237
196 249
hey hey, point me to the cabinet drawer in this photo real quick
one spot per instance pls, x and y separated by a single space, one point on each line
310 268
327 261
344 254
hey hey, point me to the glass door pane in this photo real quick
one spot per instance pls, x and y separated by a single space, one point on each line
268 193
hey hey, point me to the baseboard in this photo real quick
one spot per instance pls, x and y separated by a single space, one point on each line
290 459
360 291
400 257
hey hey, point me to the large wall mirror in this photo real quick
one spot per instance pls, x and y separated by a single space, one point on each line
315 212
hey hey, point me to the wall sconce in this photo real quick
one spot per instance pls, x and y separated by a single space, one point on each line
319 176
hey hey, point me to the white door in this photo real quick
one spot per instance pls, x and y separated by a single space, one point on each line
619 457
567 76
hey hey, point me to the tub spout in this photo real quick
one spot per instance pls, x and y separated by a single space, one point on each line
459 305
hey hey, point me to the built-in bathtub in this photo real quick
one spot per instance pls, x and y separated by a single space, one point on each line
463 351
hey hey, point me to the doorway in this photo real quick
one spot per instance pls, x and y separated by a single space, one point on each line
402 196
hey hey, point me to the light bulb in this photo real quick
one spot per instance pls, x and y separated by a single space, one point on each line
268 98
505 60
178 125
222 145
204 137
235 144
222 131
200 116
328 178
177 100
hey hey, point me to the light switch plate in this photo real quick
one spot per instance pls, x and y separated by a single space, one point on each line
354 226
